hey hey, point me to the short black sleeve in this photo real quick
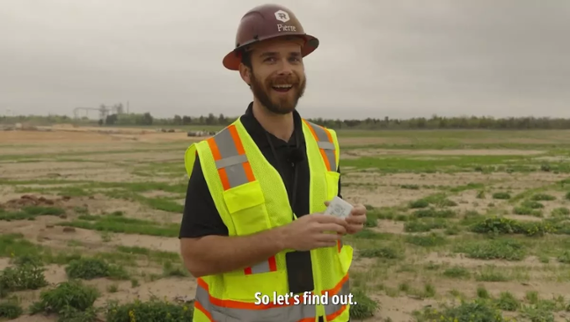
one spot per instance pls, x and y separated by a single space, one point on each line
200 218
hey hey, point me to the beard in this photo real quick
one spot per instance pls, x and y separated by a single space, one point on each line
272 100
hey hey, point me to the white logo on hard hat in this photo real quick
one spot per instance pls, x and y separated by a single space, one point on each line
281 15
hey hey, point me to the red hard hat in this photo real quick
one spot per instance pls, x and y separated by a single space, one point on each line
267 22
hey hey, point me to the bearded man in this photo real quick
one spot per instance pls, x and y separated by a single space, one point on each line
253 231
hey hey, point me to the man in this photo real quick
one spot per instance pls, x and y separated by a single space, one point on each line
253 229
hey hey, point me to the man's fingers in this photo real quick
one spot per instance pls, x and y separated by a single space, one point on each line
356 219
326 244
358 211
325 219
328 238
333 227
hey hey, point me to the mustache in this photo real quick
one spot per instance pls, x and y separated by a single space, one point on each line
285 80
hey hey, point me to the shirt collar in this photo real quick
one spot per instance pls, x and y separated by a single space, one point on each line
257 131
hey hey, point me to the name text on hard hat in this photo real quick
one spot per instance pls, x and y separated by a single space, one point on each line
281 27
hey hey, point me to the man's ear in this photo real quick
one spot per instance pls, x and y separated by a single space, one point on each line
245 73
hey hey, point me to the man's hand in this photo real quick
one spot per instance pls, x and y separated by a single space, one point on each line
356 219
313 231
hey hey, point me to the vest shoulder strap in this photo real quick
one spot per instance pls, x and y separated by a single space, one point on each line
231 161
233 166
327 142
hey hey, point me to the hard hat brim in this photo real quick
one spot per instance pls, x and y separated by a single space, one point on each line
233 59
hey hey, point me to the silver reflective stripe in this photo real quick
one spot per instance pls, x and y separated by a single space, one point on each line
226 144
226 162
236 175
231 160
331 158
262 267
291 313
341 298
325 144
320 132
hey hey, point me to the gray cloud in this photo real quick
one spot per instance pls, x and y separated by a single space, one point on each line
377 57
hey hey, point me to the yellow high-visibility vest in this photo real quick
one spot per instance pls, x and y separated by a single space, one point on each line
251 197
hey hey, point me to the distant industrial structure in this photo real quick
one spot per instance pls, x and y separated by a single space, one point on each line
103 110
200 133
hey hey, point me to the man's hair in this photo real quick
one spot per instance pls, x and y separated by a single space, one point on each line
246 59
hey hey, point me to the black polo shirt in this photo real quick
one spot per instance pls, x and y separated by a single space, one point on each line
201 218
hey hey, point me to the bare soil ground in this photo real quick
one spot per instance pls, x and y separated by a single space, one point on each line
119 163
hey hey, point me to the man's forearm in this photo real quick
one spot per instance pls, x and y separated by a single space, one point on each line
220 254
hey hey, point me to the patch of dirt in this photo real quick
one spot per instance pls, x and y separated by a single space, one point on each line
90 135
389 226
47 167
460 260
42 186
80 171
159 194
140 157
99 204
382 196
398 308
360 141
30 200
4 262
558 158
95 205
165 288
69 149
363 263
352 154
425 179
43 231
468 201
7 193
523 218
521 182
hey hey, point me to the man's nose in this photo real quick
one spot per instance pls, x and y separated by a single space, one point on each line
285 67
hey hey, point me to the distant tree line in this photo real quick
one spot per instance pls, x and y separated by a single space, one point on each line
128 119
434 122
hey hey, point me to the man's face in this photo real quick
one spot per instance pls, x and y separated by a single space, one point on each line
278 77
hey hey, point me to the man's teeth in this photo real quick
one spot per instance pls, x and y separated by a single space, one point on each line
283 86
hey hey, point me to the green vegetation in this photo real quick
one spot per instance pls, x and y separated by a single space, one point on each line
30 213
153 310
449 213
119 224
68 299
24 276
10 309
90 268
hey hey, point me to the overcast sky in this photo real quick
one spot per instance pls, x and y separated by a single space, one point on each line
377 57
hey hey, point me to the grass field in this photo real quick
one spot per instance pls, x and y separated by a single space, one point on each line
463 225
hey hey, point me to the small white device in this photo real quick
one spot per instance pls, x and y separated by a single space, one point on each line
339 208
